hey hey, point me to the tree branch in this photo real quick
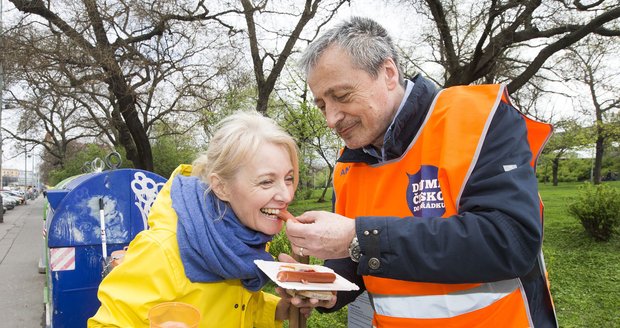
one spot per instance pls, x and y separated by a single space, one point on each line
443 27
562 43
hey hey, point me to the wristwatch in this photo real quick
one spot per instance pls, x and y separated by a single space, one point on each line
354 250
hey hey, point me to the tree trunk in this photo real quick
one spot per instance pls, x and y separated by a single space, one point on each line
327 184
262 103
555 165
137 147
598 160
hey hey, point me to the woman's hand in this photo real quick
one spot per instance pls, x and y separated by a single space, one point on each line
305 305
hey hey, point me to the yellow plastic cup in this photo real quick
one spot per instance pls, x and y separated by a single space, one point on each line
174 315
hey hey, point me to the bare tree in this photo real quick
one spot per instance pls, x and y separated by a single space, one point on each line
507 41
269 25
126 55
58 119
592 64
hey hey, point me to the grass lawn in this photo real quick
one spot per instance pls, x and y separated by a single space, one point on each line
584 274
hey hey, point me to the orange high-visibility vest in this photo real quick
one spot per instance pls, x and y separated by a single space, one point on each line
444 152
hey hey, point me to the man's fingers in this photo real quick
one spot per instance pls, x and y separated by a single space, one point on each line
296 231
306 218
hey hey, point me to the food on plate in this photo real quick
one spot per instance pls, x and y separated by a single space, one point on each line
306 276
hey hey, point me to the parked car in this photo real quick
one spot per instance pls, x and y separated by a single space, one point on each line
9 201
15 194
8 204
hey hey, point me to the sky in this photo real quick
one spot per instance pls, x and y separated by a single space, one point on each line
391 17
386 15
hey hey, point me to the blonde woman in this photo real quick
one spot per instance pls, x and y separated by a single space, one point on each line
207 226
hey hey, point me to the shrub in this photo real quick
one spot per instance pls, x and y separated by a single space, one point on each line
598 209
279 244
303 193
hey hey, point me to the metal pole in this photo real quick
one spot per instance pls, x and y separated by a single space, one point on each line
34 181
1 92
1 104
25 173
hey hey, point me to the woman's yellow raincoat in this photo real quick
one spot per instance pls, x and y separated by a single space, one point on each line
152 273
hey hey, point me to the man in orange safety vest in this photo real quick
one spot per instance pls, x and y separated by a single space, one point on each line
437 213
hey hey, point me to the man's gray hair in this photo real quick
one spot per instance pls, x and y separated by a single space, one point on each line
367 42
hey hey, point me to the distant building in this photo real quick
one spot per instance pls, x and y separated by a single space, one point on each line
10 173
14 177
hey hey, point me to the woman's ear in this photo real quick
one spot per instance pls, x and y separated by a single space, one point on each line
219 187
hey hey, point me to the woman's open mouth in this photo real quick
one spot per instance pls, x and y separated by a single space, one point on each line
271 213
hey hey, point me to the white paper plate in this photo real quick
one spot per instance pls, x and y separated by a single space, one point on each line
271 268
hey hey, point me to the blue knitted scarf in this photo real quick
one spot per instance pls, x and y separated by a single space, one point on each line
214 245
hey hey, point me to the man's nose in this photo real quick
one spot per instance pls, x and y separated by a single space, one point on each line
333 115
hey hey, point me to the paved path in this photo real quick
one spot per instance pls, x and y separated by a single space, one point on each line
21 284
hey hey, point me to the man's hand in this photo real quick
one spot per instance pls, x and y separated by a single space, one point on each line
321 234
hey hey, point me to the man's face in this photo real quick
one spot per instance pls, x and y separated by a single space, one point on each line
358 107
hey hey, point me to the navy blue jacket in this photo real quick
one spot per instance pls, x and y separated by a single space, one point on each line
496 235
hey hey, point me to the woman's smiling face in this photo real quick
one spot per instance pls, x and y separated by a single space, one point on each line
261 188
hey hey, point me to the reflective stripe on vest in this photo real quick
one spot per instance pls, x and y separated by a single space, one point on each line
444 306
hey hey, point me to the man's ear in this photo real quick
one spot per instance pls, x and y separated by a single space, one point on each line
391 73
219 187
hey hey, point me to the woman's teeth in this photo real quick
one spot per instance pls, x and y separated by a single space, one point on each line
270 211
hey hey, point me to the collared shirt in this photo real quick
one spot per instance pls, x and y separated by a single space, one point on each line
370 150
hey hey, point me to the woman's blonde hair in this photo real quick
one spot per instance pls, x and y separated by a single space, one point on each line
237 138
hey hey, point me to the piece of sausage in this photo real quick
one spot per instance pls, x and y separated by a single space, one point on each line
306 276
285 215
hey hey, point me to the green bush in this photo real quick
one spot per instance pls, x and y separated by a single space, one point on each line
304 193
279 244
598 209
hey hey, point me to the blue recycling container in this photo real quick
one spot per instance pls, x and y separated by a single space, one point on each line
75 261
